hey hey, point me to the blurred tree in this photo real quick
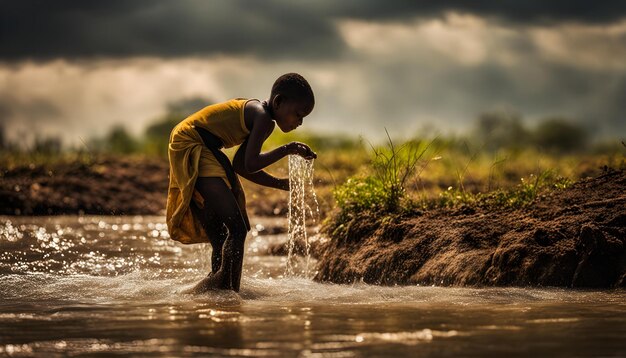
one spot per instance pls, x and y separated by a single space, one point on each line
3 144
156 136
561 135
315 141
48 145
120 142
187 106
500 129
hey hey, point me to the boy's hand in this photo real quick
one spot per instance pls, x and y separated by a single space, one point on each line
301 149
283 184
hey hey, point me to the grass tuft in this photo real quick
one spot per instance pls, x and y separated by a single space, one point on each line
384 190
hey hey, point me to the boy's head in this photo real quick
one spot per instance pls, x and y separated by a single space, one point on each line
293 87
291 100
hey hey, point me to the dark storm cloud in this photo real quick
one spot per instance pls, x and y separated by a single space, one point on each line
512 10
119 28
42 29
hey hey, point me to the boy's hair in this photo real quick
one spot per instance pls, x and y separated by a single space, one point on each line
293 86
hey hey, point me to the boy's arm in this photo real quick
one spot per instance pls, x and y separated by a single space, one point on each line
262 127
249 160
260 177
253 160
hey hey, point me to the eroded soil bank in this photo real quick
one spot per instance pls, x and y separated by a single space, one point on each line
110 186
106 186
569 238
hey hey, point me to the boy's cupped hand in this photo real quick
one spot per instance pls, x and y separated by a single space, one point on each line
301 149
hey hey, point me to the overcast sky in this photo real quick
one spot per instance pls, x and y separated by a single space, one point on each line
76 68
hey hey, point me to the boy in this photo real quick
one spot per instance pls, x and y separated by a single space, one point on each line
205 202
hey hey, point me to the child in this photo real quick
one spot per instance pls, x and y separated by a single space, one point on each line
205 202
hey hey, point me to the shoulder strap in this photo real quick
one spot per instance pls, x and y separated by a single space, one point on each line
214 143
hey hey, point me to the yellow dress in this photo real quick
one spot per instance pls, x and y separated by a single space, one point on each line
189 159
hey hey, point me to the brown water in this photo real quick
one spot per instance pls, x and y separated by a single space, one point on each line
112 286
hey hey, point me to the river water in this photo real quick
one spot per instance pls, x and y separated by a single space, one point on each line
114 286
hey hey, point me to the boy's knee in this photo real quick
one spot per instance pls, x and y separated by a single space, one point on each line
234 221
236 241
217 233
240 235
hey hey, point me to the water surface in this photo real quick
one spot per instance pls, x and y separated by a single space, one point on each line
102 286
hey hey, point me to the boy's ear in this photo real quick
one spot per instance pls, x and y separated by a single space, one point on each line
278 100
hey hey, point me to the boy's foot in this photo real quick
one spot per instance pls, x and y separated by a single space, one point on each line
214 281
192 290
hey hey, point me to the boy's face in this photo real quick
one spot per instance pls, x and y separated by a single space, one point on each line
289 114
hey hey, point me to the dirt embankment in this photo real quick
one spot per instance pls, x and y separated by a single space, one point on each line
571 238
106 186
111 186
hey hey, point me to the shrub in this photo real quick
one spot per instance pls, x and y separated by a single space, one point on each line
367 193
384 188
560 135
120 142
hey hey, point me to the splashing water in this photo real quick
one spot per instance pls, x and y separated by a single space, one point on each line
114 286
303 206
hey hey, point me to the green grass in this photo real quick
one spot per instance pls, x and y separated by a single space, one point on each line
394 178
384 188
12 159
397 179
523 194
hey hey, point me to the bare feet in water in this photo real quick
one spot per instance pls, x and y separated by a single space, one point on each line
214 281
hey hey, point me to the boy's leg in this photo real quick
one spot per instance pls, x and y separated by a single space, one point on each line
217 245
216 232
220 207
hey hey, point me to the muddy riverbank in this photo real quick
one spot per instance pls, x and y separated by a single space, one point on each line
570 238
106 186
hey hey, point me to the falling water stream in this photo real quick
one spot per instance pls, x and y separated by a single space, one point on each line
303 215
114 286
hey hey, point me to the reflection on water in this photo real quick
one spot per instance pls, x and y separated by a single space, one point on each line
114 285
